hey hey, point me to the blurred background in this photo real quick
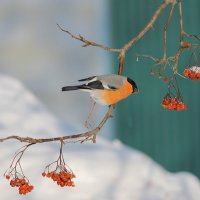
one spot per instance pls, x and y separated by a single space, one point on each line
34 50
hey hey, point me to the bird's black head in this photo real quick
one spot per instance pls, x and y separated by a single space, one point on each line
134 86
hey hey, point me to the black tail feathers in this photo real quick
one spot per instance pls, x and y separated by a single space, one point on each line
77 87
68 88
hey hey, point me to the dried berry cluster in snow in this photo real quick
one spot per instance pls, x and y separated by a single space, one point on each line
62 178
23 185
62 174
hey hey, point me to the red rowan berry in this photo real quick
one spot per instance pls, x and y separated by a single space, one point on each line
44 174
48 175
166 79
186 44
152 73
7 177
12 183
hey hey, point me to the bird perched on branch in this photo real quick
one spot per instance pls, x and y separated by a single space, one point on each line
106 89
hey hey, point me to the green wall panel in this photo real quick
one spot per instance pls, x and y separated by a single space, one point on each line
171 138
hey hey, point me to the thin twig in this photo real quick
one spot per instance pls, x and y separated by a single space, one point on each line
148 26
88 42
82 135
165 30
181 21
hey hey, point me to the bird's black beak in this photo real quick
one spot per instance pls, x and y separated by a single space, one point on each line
135 90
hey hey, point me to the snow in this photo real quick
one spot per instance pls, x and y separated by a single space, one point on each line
105 170
195 69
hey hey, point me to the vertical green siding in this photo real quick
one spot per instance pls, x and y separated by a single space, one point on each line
171 138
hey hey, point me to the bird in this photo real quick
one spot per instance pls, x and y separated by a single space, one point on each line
106 89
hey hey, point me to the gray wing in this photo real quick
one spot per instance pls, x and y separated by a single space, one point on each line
112 81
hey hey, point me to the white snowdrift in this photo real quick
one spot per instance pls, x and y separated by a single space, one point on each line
105 171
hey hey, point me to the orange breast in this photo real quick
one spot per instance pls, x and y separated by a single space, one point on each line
112 97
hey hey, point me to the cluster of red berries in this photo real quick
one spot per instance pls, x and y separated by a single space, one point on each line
62 178
165 79
192 73
173 104
21 183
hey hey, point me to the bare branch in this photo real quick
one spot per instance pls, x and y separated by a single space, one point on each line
82 135
88 42
181 21
165 29
148 26
182 33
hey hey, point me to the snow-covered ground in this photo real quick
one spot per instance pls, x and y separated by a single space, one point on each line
105 170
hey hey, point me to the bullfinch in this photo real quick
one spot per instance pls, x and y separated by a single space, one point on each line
106 89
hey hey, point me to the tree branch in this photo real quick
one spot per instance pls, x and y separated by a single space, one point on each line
148 26
67 137
91 135
88 42
165 30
